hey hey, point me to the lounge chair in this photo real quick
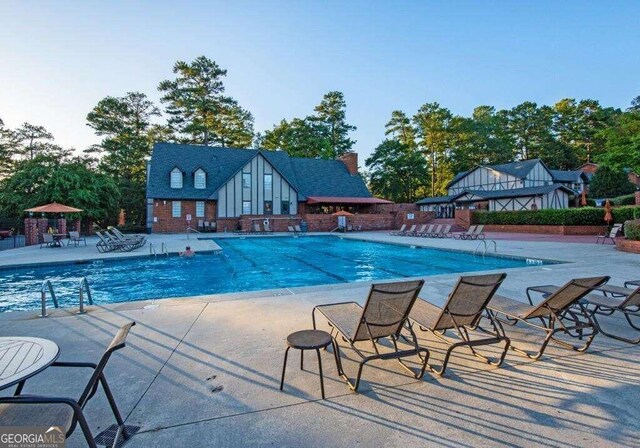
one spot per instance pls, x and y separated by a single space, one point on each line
108 244
399 231
47 240
478 234
118 235
409 232
428 231
75 238
385 314
256 227
297 228
445 232
129 243
465 235
632 283
464 308
31 410
555 314
627 302
267 227
419 231
436 232
291 230
610 235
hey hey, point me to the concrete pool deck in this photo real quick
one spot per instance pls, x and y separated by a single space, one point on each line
205 371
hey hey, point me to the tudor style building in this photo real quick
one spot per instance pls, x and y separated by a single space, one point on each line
510 186
215 188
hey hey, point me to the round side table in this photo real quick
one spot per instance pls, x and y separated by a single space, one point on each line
310 340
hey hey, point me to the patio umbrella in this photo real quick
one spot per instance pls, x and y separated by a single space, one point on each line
583 200
54 207
607 212
342 213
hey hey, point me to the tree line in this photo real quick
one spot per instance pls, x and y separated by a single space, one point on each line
423 152
418 158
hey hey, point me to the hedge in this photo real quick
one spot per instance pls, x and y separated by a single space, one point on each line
632 230
585 216
629 199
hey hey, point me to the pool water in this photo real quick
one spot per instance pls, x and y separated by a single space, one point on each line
246 264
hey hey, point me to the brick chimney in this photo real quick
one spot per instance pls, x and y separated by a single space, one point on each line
350 160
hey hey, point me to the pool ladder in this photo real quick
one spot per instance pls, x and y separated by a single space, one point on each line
487 245
83 288
163 249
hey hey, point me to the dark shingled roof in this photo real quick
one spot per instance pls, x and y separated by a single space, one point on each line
497 194
566 176
309 177
518 169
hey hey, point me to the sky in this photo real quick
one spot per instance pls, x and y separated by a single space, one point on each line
59 58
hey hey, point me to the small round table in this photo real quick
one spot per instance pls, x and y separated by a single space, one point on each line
23 357
310 340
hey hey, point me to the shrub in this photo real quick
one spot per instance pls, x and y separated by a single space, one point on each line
585 216
628 199
632 230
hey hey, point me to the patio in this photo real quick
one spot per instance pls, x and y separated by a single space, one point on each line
205 371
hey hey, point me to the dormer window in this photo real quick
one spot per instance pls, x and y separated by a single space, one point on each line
200 179
176 178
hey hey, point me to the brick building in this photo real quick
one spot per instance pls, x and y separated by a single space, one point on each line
222 189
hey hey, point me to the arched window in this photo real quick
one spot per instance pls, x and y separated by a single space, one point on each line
176 178
200 179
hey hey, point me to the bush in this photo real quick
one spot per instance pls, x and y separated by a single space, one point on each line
585 216
628 199
632 230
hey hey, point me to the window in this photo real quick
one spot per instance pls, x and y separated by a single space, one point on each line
199 209
285 208
200 179
176 209
268 207
246 207
246 180
268 184
176 178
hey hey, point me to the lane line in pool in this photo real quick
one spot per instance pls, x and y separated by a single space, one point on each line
305 262
388 271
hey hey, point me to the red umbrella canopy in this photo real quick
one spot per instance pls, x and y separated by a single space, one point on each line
607 211
342 213
54 207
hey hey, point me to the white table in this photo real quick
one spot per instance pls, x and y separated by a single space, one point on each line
23 357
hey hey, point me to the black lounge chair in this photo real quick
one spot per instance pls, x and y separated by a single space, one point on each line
75 238
134 240
464 308
385 314
108 244
609 235
30 410
465 235
427 232
47 240
399 231
560 312
620 300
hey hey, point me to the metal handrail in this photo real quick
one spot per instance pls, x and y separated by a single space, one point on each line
84 286
43 297
163 249
152 250
486 247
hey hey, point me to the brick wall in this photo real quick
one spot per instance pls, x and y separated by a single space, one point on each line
463 218
165 223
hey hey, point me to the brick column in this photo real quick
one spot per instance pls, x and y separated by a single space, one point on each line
31 231
43 226
62 225
637 197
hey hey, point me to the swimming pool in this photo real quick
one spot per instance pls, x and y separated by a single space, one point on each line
247 264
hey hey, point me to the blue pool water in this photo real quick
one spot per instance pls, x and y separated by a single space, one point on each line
246 264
